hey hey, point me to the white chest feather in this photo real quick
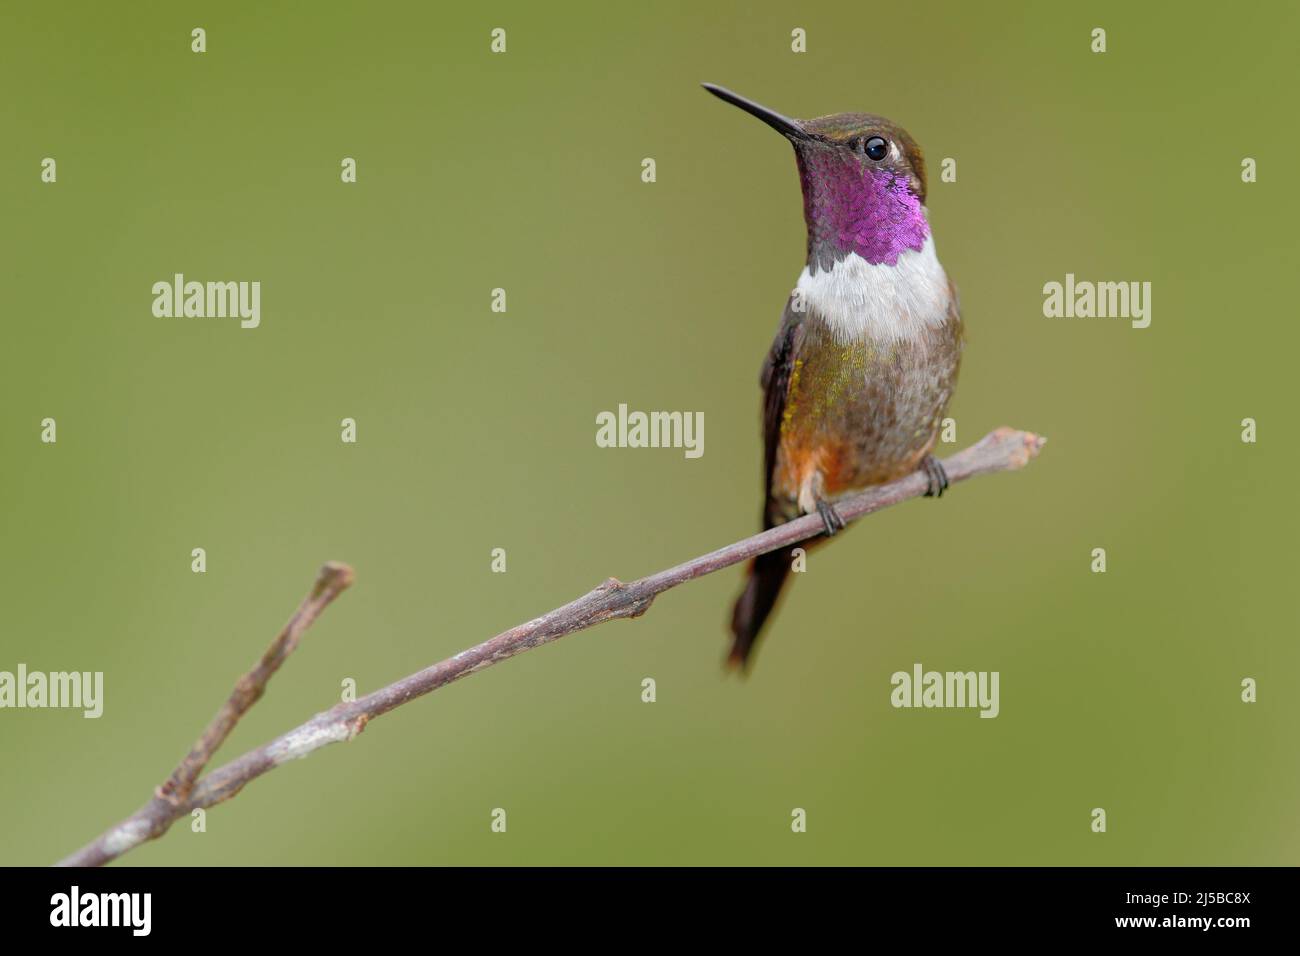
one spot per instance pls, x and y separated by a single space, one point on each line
886 303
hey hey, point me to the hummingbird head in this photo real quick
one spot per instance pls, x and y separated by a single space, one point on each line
863 180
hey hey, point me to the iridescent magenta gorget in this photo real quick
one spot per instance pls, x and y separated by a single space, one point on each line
851 207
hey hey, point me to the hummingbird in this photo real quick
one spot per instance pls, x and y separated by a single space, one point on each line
858 379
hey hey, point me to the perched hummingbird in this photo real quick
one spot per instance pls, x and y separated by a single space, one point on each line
865 361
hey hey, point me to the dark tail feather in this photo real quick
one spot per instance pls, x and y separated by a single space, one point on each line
767 573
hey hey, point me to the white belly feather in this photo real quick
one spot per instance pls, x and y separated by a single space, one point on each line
887 303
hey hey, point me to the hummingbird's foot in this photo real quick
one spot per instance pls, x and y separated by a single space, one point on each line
935 476
830 517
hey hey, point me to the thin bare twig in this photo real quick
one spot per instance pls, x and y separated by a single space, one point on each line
1002 450
332 580
171 798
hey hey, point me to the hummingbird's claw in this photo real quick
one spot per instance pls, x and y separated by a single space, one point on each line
830 517
935 476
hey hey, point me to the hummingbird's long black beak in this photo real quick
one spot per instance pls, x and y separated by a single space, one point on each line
782 124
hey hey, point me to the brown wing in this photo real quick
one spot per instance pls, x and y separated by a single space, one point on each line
768 571
954 317
775 379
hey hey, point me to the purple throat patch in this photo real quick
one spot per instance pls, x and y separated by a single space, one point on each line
852 208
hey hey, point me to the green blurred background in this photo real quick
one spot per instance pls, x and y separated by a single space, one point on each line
476 430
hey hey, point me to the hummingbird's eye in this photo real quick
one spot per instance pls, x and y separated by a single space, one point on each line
875 148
